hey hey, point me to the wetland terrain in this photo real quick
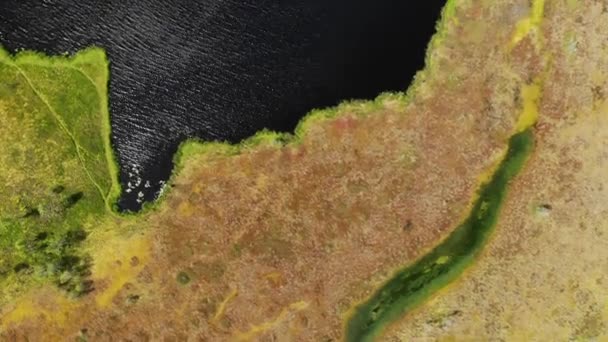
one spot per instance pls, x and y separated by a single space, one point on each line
470 206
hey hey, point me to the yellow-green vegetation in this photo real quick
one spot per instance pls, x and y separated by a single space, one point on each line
58 174
529 24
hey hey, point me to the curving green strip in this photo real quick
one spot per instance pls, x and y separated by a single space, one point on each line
447 261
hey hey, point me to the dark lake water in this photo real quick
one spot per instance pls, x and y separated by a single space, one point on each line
224 69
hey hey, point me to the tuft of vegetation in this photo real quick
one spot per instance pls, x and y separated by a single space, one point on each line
183 278
56 256
132 298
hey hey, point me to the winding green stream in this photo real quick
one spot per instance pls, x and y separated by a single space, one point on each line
447 261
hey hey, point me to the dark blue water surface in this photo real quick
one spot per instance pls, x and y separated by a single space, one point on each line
224 69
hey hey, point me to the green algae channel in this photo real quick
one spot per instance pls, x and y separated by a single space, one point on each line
445 262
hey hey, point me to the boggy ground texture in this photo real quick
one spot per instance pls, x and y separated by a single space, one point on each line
282 237
544 275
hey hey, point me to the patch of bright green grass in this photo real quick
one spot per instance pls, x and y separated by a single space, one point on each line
57 178
447 261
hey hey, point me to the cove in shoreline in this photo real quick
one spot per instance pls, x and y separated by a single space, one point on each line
221 70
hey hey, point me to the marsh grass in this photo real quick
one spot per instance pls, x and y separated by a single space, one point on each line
56 182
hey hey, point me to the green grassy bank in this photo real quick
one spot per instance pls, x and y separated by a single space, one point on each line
58 175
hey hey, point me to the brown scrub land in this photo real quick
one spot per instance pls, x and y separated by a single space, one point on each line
282 237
